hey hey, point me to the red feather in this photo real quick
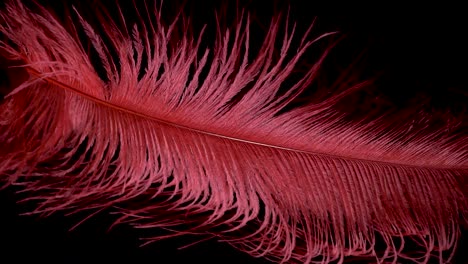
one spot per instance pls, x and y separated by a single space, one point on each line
206 141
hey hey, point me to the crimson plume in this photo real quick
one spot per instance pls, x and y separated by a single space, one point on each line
207 141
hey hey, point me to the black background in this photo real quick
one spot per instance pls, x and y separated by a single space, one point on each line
412 54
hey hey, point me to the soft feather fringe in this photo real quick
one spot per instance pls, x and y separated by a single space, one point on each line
218 155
